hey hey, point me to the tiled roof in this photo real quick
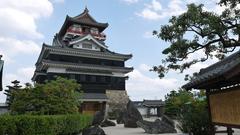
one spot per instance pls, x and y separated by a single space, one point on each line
153 103
46 63
138 103
86 18
46 49
216 73
94 97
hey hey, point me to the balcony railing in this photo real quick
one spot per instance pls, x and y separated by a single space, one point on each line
99 36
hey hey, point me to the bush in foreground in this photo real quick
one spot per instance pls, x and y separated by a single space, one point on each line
55 97
43 125
190 110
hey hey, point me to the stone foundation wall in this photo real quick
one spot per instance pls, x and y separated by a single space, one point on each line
118 99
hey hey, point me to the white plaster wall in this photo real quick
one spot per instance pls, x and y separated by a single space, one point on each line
95 47
143 111
118 74
56 70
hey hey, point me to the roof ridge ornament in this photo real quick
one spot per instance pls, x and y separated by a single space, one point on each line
86 9
85 3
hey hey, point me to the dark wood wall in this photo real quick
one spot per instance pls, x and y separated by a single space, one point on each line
84 60
94 83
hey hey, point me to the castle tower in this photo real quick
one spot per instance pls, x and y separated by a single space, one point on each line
79 52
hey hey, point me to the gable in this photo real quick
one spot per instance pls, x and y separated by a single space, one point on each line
79 43
88 45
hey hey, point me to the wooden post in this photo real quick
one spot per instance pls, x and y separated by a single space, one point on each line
148 112
159 112
229 131
209 112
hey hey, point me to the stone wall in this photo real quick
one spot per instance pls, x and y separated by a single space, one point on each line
3 110
118 99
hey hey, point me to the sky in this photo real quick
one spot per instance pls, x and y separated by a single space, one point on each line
26 24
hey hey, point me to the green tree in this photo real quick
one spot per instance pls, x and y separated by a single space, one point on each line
194 118
175 101
60 96
195 30
190 110
12 89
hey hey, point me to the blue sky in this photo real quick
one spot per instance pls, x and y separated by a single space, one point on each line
26 24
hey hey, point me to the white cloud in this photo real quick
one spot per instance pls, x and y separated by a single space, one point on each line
148 34
196 67
140 86
18 18
130 1
175 7
35 8
12 48
192 1
150 14
155 5
58 1
154 11
23 75
26 72
17 23
144 68
18 36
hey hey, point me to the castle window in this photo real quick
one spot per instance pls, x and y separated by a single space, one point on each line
94 30
93 79
87 46
83 78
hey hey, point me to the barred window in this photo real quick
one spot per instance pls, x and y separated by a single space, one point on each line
87 46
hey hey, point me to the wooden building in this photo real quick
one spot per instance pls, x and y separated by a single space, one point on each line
149 108
222 84
79 52
1 72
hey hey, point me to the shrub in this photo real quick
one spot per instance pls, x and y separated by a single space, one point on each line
43 124
190 110
175 100
194 118
56 97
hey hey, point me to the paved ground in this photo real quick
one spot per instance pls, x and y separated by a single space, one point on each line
120 130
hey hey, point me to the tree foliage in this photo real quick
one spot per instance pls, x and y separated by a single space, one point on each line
60 96
194 118
44 124
11 89
199 30
174 101
190 110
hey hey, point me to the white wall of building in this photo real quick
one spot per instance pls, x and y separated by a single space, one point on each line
56 70
142 110
94 47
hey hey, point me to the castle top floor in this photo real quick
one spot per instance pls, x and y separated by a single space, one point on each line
82 25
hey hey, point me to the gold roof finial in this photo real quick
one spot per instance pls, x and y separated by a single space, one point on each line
86 9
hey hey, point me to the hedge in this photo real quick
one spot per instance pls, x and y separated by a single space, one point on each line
43 124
